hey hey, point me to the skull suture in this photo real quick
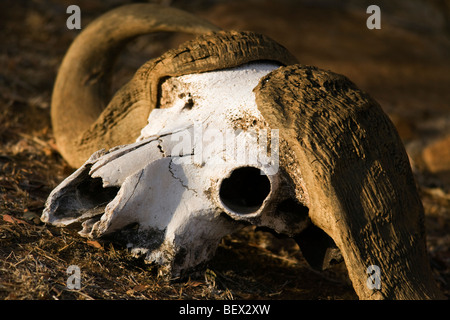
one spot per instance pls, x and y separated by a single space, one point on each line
206 155
229 130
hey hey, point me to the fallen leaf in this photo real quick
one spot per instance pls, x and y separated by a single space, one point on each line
140 287
11 219
31 216
95 244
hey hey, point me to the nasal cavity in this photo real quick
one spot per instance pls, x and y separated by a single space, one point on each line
244 191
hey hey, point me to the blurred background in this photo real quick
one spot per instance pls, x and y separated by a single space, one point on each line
405 66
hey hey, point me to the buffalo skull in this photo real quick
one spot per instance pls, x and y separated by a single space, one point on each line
228 130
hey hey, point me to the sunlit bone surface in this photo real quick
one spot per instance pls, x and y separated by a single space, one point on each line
205 165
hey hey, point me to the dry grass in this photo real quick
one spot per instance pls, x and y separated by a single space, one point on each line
34 257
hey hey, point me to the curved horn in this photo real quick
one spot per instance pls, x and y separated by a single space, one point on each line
82 124
83 80
359 186
127 113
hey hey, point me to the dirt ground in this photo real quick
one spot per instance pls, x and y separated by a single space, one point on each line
405 66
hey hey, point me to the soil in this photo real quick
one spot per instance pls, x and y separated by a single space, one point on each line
405 66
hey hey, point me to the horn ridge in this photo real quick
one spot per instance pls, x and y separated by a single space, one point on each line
83 79
361 190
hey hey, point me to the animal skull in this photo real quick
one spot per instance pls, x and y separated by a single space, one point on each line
178 190
324 164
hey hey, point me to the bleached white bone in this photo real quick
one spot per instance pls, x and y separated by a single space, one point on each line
173 181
